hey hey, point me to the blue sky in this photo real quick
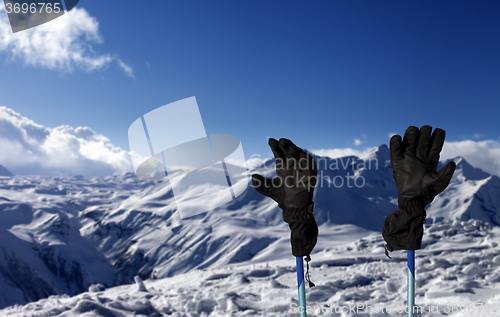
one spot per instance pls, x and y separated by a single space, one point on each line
322 73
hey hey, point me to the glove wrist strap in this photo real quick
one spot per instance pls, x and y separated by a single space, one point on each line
295 214
309 208
405 203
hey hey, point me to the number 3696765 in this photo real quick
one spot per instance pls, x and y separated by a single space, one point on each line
33 8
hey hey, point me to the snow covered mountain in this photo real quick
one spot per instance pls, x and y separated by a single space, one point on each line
472 194
60 235
456 271
41 249
4 171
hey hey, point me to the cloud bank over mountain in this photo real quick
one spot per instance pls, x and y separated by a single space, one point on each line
29 148
32 149
482 154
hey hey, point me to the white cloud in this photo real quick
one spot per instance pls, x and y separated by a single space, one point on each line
32 149
478 136
126 68
482 154
362 140
336 153
62 44
29 148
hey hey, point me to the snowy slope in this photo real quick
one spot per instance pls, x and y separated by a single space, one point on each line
472 194
144 236
65 234
456 270
41 249
361 191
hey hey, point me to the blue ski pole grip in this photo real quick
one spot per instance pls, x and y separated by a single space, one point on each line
411 282
301 286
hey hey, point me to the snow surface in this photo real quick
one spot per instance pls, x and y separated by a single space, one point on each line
62 237
457 269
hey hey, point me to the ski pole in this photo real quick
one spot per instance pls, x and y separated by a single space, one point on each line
411 282
302 288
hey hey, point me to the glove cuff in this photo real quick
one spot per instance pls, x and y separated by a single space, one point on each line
404 228
296 214
405 203
304 230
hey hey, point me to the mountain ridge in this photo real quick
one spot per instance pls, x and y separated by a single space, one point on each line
129 227
4 171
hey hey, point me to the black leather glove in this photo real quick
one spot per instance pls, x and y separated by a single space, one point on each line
414 161
292 189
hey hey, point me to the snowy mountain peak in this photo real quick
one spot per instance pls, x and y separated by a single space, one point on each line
472 194
465 171
4 171
381 153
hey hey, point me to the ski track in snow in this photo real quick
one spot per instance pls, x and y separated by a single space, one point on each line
70 235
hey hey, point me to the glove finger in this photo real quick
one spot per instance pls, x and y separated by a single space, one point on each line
410 140
308 168
444 177
274 145
279 156
396 148
423 142
266 187
294 150
303 161
285 146
437 141
306 161
262 184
